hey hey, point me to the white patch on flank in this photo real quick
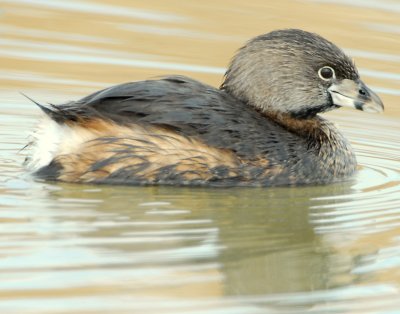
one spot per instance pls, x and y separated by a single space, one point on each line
51 139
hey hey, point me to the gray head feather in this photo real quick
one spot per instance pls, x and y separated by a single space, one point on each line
278 72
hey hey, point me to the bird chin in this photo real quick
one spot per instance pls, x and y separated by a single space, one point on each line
343 100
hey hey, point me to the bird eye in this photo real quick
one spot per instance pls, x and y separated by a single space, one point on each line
326 73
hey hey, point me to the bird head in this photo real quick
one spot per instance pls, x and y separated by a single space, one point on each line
298 73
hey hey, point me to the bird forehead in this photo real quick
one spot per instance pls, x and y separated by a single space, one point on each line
318 52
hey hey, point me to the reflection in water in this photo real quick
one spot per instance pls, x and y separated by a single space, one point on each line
104 249
160 242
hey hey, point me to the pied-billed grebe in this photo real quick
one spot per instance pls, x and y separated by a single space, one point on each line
261 128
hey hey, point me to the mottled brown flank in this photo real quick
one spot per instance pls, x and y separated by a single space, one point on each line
149 155
136 154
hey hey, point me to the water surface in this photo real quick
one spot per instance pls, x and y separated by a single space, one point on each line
107 249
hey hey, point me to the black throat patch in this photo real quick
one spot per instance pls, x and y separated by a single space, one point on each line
306 113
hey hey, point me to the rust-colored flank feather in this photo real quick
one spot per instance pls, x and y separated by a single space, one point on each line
143 154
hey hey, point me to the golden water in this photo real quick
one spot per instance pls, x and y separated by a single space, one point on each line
99 249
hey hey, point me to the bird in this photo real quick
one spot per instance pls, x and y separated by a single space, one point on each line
261 128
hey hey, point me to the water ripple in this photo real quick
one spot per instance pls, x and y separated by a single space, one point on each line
103 9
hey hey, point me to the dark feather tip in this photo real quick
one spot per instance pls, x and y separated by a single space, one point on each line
46 110
54 113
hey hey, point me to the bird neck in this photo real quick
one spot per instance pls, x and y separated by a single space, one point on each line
323 138
314 129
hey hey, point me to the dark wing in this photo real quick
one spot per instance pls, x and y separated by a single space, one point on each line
190 108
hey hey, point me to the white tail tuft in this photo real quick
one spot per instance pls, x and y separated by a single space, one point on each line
51 139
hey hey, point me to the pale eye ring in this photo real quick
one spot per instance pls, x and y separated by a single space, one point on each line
326 73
